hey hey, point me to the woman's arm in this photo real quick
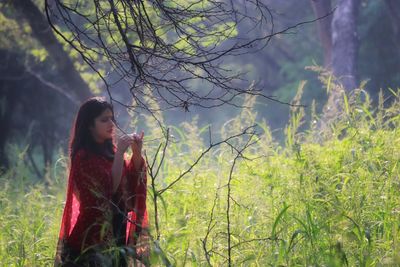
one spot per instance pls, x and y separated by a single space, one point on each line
136 180
123 143
136 147
139 177
116 170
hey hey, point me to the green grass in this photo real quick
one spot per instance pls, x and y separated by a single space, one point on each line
334 202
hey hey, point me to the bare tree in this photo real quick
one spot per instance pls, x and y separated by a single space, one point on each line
166 45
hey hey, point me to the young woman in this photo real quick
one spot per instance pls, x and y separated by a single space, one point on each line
105 211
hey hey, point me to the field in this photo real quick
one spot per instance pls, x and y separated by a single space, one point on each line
328 198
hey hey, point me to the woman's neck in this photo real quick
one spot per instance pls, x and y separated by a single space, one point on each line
99 141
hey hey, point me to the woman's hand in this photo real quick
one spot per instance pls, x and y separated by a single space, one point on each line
137 144
124 141
136 147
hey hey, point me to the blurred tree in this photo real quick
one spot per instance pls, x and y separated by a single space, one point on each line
322 8
41 30
345 43
393 6
338 35
33 115
8 100
340 44
37 101
365 45
379 53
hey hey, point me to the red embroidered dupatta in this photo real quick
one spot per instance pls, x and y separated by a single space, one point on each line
87 216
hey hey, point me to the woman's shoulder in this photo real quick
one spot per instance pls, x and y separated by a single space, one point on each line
84 154
81 153
84 158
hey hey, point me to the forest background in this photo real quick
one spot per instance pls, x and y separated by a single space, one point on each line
324 196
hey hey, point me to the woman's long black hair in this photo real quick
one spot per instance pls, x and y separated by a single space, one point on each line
81 136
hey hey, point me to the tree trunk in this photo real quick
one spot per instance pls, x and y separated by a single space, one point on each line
42 32
9 98
322 8
394 11
344 57
345 43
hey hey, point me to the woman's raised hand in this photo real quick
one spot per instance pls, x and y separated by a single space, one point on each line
124 141
137 148
137 143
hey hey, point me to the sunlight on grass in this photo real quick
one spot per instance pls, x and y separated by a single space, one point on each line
329 203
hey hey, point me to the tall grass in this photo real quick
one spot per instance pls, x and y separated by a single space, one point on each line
334 202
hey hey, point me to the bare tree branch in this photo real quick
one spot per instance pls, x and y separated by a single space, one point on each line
226 141
229 196
167 46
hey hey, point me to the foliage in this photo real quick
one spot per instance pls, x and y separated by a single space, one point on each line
16 36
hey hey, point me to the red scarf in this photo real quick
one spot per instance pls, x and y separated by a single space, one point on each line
87 217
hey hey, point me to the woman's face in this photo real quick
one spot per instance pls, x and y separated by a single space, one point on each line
103 128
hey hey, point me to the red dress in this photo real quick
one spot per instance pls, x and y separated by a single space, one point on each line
87 220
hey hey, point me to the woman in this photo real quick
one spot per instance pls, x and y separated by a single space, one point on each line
105 212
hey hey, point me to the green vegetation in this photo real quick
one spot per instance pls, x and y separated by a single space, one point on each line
334 202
